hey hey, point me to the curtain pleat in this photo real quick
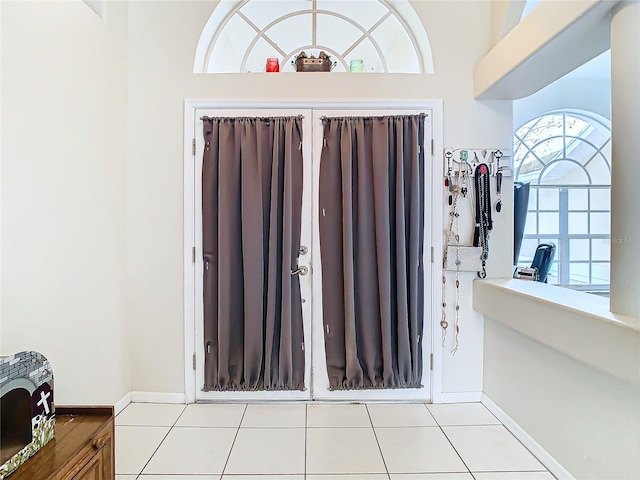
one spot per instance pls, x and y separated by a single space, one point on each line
371 239
251 205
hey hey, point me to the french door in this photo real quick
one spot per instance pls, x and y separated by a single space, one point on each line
309 269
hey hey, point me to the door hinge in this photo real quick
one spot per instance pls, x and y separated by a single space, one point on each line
431 362
193 255
194 361
433 147
193 146
431 255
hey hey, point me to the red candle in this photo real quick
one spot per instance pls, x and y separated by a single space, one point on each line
273 64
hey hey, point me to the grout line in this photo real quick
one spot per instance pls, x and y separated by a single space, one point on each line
378 442
246 405
306 439
431 414
456 450
162 441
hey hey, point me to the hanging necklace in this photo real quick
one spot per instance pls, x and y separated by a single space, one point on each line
484 223
457 186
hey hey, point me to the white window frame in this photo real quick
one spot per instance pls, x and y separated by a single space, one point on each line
563 238
398 9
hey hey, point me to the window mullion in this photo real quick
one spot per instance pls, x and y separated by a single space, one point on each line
564 255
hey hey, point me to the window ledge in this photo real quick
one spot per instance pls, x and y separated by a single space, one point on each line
574 323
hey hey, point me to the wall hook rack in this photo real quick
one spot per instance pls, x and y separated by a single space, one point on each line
497 159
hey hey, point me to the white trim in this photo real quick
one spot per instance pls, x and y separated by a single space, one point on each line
157 397
435 241
527 440
189 243
458 397
122 404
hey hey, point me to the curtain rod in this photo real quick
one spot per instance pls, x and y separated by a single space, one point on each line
422 115
203 118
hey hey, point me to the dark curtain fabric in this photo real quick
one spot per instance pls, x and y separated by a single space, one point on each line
520 205
371 240
251 214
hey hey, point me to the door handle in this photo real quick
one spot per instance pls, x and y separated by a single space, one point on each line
302 270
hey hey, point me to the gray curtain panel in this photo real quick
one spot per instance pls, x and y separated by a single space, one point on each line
371 240
251 214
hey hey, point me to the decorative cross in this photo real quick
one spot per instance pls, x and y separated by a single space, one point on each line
44 402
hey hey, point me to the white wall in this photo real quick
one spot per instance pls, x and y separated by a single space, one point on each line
567 371
162 41
586 88
587 420
63 197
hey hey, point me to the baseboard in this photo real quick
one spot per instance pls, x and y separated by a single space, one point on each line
158 397
457 397
122 403
527 440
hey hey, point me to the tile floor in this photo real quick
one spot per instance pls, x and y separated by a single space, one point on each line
318 442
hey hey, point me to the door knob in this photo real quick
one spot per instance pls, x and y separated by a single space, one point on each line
302 270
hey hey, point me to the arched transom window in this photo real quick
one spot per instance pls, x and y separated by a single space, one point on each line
386 34
565 156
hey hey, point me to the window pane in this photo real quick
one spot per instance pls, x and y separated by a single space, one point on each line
600 223
529 169
600 199
533 195
228 51
599 171
575 126
580 151
578 199
530 226
548 199
367 12
564 172
579 250
600 274
578 224
262 13
396 47
538 129
600 249
257 60
367 52
527 251
579 273
291 34
337 33
549 149
549 223
552 277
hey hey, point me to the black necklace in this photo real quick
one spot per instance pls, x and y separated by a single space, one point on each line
484 223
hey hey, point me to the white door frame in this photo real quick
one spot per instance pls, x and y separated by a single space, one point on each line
434 241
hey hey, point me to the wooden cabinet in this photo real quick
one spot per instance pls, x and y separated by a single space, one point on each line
82 449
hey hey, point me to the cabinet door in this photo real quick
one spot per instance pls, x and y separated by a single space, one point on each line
92 470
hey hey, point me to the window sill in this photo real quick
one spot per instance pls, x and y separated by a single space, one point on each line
571 322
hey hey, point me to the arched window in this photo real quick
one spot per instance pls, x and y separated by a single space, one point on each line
565 156
241 34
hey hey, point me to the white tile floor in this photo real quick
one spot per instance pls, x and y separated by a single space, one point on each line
318 442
